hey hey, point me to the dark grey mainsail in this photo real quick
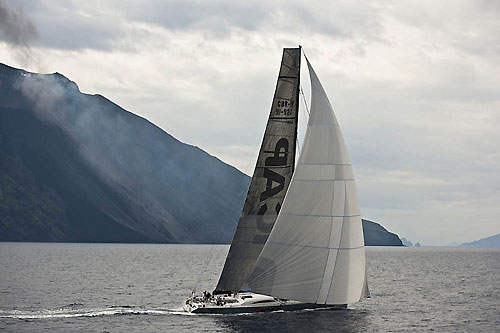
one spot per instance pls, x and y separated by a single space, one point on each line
271 177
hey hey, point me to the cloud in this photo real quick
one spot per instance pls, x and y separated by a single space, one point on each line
470 26
220 18
217 17
105 26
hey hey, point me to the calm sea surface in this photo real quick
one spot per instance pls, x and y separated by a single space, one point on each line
137 287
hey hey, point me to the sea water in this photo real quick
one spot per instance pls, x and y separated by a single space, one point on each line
141 287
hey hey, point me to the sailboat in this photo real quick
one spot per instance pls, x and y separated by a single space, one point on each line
299 240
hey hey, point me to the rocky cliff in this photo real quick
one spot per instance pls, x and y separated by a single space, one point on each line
377 235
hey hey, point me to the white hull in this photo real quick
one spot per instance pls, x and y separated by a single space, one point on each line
247 303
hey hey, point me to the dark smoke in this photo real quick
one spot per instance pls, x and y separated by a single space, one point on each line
17 30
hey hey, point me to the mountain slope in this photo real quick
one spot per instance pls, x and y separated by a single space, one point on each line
77 167
492 241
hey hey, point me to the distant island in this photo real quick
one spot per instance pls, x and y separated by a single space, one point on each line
492 241
78 168
409 243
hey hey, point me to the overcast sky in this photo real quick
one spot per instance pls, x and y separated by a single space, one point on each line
415 86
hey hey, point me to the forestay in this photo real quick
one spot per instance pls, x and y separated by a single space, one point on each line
271 177
315 252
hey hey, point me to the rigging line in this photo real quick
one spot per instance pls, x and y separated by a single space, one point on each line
305 101
210 252
209 255
301 92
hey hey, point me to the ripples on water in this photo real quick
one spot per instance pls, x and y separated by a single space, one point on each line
118 287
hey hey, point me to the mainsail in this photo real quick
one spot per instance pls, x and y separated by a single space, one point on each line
271 177
315 252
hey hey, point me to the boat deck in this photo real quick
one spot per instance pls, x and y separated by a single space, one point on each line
247 303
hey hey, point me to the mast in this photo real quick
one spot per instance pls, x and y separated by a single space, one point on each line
271 177
297 97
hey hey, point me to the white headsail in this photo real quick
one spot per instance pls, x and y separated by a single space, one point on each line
315 252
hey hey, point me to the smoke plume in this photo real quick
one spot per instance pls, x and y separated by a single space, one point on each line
18 31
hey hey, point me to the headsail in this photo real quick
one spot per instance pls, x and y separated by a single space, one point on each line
271 177
315 252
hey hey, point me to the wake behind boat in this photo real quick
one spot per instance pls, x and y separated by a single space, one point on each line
304 250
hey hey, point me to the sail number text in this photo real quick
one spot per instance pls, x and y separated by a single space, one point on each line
284 108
